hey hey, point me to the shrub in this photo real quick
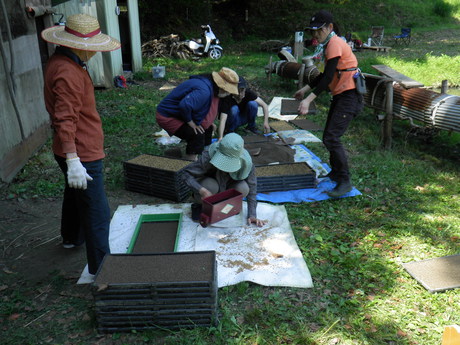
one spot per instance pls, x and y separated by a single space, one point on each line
442 9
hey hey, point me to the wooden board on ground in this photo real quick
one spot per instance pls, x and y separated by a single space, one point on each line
397 77
306 124
291 106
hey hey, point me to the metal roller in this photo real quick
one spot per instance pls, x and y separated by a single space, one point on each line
441 111
293 70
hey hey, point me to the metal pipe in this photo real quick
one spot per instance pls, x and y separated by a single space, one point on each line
293 70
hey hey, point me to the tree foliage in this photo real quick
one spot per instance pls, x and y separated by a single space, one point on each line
271 19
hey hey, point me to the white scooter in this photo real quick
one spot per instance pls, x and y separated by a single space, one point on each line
208 45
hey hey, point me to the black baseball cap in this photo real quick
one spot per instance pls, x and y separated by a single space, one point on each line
242 83
320 19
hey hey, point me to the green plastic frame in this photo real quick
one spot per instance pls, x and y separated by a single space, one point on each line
150 218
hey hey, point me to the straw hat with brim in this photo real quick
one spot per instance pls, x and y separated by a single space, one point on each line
83 32
226 79
229 154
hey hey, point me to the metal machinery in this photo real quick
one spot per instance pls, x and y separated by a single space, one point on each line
434 110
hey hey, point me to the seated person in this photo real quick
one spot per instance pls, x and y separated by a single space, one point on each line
238 110
225 165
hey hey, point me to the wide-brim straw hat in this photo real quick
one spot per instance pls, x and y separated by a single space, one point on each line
227 79
83 32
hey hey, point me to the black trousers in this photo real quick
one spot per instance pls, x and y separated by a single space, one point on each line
86 214
344 107
195 142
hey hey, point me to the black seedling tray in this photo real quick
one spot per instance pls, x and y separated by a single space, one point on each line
136 292
284 182
155 180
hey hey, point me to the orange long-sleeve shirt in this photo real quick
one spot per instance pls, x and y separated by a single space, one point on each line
70 101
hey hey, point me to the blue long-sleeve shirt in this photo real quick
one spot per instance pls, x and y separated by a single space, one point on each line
190 100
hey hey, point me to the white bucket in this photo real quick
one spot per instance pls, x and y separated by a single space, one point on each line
158 71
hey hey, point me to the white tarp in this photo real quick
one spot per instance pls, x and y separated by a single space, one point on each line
268 255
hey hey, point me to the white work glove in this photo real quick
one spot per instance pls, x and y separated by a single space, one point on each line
77 176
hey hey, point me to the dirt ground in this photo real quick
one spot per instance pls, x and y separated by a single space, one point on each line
30 242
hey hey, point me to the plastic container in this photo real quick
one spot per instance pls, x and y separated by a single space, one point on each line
220 206
158 71
288 49
299 36
156 233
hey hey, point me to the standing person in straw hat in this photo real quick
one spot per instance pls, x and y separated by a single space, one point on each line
77 134
340 69
225 165
189 111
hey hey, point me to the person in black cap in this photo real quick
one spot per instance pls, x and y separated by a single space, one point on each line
340 69
239 110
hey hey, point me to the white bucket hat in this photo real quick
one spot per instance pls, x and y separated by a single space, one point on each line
229 155
83 32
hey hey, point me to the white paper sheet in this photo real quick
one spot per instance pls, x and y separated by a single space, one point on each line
274 110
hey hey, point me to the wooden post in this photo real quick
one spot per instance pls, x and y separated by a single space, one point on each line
444 86
269 74
298 45
388 122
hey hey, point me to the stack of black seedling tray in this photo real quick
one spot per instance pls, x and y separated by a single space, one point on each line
135 292
284 177
157 175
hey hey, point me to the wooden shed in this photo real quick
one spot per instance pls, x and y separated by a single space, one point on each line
24 121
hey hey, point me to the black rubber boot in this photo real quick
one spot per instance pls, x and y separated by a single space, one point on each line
330 175
340 189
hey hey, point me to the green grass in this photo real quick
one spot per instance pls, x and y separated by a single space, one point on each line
354 247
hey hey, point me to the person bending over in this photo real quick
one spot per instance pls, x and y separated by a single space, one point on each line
189 111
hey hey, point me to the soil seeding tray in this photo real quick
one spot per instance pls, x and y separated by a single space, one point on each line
306 124
283 177
156 175
148 291
250 139
279 126
156 233
291 106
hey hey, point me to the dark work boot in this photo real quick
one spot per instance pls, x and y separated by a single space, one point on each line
330 175
340 189
196 211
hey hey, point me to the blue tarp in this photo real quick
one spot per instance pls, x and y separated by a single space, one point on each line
306 195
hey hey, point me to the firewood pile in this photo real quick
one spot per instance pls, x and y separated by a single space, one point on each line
166 46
